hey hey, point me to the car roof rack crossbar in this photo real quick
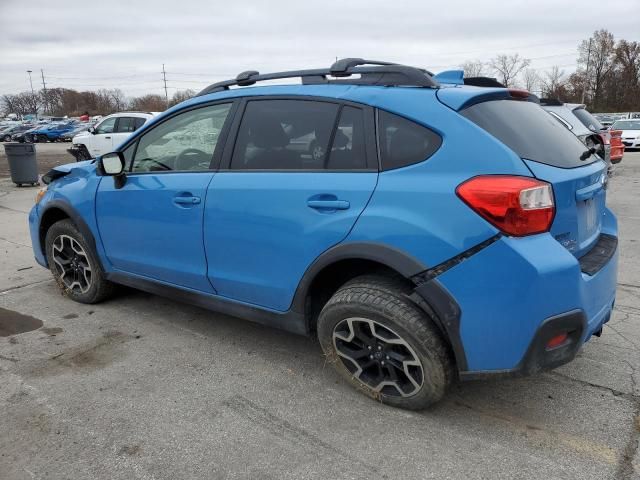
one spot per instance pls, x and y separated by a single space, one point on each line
371 72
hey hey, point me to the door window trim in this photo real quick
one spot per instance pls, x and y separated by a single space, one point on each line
217 151
369 134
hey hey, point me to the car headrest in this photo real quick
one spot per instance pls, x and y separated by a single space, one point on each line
340 140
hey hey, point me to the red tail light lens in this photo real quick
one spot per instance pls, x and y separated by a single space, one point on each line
518 206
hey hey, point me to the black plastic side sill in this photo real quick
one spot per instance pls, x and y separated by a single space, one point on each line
599 255
432 273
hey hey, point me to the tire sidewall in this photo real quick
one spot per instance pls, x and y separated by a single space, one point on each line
66 227
435 377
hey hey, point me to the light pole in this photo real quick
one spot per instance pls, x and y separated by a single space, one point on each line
33 93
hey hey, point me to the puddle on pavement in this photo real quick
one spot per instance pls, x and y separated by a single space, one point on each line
12 323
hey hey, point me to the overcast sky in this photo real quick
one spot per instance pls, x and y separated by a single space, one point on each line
92 44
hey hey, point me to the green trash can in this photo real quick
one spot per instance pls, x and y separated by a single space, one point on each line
22 163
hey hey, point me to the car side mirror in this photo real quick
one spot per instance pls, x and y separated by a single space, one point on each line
92 130
112 164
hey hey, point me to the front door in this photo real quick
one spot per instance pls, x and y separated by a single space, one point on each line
152 226
294 186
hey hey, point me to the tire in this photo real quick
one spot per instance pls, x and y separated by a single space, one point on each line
420 358
43 138
77 283
7 138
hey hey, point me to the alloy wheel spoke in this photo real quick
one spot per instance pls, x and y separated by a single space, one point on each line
72 263
378 357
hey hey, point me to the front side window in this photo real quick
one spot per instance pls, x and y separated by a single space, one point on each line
284 135
184 142
403 142
107 126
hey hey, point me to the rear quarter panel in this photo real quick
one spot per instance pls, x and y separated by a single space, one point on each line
415 208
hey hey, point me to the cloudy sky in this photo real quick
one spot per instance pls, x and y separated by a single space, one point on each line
94 44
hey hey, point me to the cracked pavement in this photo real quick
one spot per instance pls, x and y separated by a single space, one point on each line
142 387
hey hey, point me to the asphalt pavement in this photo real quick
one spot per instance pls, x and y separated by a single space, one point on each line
141 387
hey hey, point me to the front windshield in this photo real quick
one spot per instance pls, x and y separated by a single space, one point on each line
626 125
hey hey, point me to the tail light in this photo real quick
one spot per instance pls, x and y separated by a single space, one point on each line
518 206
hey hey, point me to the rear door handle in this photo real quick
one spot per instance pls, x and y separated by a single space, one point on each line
191 200
328 204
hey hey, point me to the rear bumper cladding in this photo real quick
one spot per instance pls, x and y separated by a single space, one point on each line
540 358
599 255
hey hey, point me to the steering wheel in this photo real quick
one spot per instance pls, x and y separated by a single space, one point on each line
145 161
187 156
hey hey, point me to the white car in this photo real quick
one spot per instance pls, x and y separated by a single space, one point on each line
106 135
630 132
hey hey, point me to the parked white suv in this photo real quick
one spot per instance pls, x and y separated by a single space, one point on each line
106 135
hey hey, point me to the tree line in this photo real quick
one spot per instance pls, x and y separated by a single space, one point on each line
607 79
66 101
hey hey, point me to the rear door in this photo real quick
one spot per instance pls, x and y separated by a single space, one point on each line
555 155
299 176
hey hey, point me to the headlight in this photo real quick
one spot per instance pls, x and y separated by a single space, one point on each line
40 194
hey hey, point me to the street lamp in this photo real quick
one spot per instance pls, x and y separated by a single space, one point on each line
33 93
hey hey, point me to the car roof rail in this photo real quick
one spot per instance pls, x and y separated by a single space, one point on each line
372 72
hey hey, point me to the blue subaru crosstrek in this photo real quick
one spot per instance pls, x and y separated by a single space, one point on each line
423 227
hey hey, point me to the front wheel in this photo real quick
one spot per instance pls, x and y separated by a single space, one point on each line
74 265
384 344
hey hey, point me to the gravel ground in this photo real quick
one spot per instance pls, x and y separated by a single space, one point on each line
141 387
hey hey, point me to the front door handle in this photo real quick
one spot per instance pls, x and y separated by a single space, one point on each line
186 200
107 138
328 204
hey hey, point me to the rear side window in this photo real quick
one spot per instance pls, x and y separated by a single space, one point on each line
125 125
403 142
588 120
529 131
138 122
284 135
348 148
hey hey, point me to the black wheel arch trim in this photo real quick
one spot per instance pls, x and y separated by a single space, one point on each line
75 217
391 257
430 296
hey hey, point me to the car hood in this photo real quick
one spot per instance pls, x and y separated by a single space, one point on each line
630 133
75 168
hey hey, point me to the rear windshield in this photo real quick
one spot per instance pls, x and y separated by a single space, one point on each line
626 125
588 120
529 131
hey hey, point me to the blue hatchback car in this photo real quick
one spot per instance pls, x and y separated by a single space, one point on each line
424 228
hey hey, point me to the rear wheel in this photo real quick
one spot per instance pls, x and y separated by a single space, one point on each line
74 265
384 344
43 138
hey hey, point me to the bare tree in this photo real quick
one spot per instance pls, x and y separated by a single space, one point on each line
553 83
149 103
596 59
507 67
21 103
118 99
627 59
180 96
531 79
473 68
